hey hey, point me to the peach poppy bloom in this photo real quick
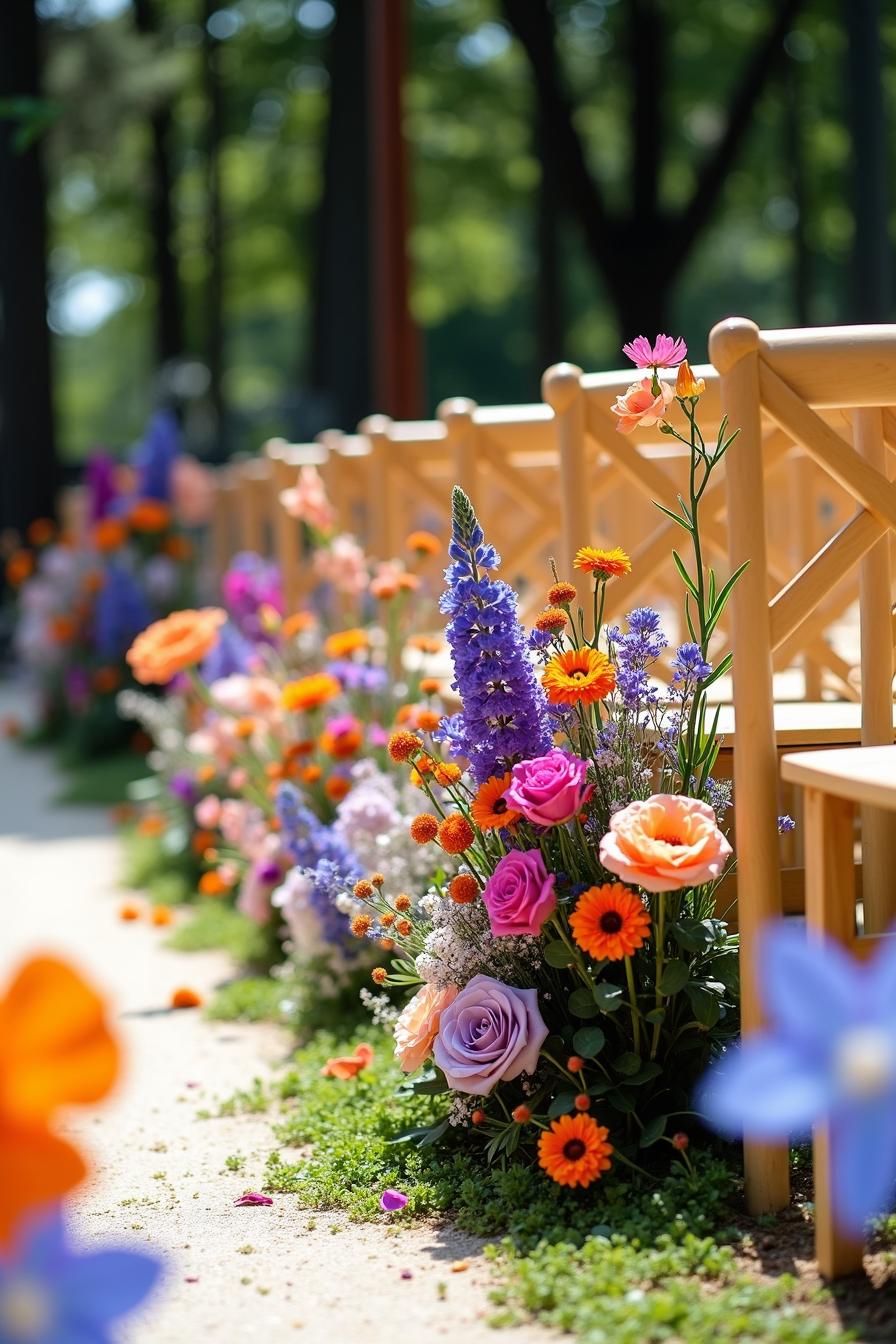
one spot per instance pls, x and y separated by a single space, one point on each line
109 534
418 1025
56 1050
309 692
348 1066
172 645
149 515
640 406
665 843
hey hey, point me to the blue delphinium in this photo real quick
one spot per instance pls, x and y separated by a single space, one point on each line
121 612
827 1056
233 653
633 652
321 855
156 455
689 667
52 1294
505 715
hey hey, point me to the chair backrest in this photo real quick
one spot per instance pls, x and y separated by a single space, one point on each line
829 390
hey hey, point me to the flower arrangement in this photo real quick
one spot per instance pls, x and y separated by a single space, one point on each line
572 979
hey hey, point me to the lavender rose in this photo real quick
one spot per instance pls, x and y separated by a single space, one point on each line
490 1033
519 895
549 789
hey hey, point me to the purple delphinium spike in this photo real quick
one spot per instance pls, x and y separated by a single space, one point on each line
505 716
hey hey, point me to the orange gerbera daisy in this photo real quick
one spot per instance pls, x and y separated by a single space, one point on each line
612 564
489 809
424 543
345 642
56 1050
578 676
609 922
171 645
310 692
574 1151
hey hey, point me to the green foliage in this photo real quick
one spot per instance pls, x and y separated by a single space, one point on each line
167 878
254 999
215 925
102 781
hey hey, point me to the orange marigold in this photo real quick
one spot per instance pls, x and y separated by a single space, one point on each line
574 1151
149 515
551 620
337 787
213 884
311 774
171 645
403 746
309 692
109 534
346 642
424 828
403 927
463 889
489 810
402 902
424 543
342 744
562 593
430 685
455 834
177 547
428 720
379 975
578 676
609 922
128 912
361 925
608 564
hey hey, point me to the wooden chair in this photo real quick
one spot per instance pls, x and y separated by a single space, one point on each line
284 462
836 783
803 381
222 535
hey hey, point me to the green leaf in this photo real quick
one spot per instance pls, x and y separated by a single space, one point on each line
645 1074
588 1041
705 1004
433 1135
627 1063
582 1004
653 1130
430 1086
674 516
563 1103
608 996
655 1015
557 954
685 576
621 1100
674 978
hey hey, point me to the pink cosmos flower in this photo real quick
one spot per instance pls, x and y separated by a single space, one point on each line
665 353
639 406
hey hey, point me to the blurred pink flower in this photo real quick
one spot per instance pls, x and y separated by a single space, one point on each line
207 812
342 563
192 491
665 353
307 500
639 406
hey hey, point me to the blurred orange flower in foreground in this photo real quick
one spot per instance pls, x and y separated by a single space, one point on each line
175 643
347 1066
56 1049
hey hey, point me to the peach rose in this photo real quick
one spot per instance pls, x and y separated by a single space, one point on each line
418 1025
639 406
170 646
665 843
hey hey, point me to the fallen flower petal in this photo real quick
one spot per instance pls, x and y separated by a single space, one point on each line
252 1197
347 1066
392 1200
458 1266
129 912
186 998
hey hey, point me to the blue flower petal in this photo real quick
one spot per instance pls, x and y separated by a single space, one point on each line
765 1088
863 1158
106 1284
880 983
812 988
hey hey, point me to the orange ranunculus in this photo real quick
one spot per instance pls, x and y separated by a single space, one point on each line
345 642
149 515
665 843
19 567
310 692
418 1025
56 1050
40 532
109 534
171 645
347 1066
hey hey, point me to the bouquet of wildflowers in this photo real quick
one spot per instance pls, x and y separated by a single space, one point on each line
572 978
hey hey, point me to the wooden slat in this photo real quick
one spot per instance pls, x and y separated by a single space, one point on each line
796 603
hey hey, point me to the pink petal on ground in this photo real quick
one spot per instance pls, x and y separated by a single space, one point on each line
252 1197
392 1200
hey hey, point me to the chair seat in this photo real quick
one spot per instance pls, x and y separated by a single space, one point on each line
820 723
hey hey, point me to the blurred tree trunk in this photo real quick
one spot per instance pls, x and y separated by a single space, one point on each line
793 139
28 465
869 298
550 308
340 366
169 307
214 293
618 242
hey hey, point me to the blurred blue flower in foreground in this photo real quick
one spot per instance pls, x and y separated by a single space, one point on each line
828 1055
52 1294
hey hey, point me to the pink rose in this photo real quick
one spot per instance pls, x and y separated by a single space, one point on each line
418 1024
665 843
549 789
491 1033
519 895
208 812
639 406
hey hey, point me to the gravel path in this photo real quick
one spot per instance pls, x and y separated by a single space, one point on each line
159 1171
